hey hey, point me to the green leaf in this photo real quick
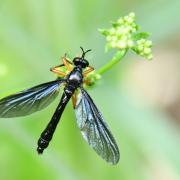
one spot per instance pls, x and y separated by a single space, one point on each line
142 35
104 32
115 24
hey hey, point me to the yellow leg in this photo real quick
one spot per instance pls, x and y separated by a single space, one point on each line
57 71
87 82
67 63
55 67
89 69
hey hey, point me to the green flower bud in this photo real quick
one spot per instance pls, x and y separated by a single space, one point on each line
121 44
132 15
148 43
147 50
112 31
121 36
130 43
92 78
150 56
108 38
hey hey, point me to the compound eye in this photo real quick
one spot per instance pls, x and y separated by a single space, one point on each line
85 63
76 61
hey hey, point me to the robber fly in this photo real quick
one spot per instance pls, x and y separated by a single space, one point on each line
89 119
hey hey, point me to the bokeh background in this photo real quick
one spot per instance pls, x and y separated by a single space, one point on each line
140 99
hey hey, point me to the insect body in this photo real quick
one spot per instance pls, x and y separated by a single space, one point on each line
90 121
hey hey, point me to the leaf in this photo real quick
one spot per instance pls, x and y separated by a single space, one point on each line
115 24
104 32
142 35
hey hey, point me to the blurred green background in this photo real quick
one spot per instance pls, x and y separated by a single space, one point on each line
140 99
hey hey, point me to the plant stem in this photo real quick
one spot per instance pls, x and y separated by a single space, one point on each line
117 57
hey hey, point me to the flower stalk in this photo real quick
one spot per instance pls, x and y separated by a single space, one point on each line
116 58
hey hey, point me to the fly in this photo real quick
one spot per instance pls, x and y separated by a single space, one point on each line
89 119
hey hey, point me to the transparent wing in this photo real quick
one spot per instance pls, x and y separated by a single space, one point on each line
94 129
29 101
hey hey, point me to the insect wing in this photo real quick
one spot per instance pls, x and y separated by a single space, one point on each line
29 101
94 129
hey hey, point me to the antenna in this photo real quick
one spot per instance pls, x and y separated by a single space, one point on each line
84 52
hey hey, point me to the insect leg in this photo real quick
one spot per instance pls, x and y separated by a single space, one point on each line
89 69
57 71
67 63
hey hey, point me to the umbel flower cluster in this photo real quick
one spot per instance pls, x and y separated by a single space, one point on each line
124 35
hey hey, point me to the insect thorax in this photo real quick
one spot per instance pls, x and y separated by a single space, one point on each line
75 78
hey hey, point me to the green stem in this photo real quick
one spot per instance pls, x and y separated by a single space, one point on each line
117 57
